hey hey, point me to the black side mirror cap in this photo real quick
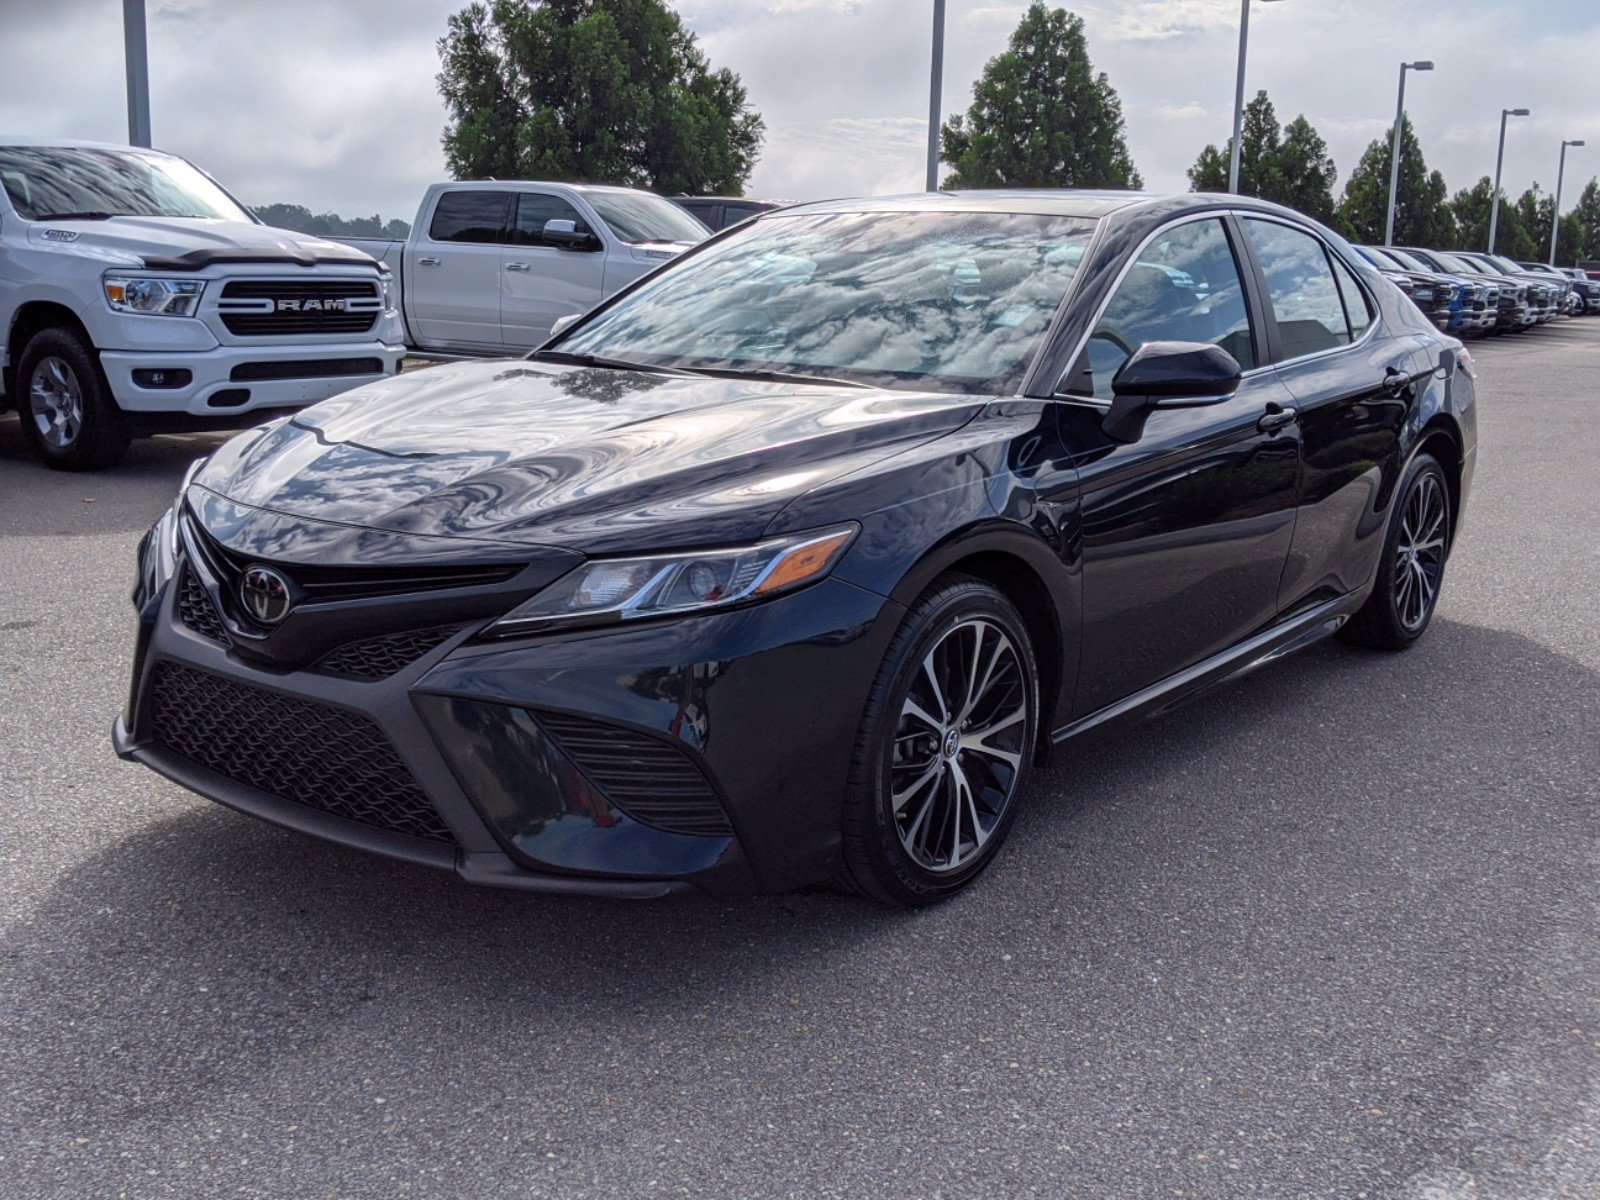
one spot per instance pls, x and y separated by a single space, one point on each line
1168 375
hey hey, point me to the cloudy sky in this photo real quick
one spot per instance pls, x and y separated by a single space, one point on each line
332 104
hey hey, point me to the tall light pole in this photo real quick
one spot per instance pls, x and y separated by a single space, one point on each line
1499 157
138 68
1394 150
1555 215
935 83
1238 94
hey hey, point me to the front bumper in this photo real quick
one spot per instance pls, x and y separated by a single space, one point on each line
228 379
763 703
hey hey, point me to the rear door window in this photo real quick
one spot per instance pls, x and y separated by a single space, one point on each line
1357 310
1301 288
470 216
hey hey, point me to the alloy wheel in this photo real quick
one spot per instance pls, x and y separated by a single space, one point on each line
56 400
958 745
1419 552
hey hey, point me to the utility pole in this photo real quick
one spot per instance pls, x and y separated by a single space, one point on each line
1394 150
1499 158
935 84
138 68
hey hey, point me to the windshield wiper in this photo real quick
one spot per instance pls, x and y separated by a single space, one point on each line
78 216
594 360
766 375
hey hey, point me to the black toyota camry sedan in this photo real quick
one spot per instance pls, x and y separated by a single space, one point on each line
787 564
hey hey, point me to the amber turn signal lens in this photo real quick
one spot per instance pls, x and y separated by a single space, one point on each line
805 561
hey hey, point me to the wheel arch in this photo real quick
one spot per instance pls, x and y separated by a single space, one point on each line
1441 437
30 319
1029 574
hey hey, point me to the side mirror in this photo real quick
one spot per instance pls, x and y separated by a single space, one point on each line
1168 375
565 234
562 324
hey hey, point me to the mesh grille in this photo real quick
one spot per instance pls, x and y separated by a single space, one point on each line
647 778
305 368
326 758
381 657
196 610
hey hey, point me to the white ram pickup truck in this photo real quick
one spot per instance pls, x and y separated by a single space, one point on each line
137 296
491 266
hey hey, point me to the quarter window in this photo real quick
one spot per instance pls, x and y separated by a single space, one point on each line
1355 300
474 216
1184 287
1305 299
534 209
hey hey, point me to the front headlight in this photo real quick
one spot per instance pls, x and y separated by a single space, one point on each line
387 282
153 296
624 589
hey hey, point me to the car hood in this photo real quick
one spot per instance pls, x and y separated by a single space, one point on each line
166 242
586 459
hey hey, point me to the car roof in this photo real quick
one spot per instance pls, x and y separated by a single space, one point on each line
1056 202
61 143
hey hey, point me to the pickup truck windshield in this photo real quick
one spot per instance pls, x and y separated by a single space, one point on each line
914 300
60 182
636 219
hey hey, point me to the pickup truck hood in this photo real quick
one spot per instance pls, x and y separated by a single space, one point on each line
598 461
182 243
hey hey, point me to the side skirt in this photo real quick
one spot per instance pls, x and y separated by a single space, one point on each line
1193 682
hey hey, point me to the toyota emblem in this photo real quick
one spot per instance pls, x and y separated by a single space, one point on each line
265 595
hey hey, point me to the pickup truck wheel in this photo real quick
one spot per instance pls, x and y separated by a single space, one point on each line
68 415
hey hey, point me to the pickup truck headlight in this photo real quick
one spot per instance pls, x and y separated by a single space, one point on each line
386 282
153 296
609 590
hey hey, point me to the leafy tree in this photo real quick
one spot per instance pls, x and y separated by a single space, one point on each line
1290 165
301 219
1580 228
1471 209
607 91
1040 116
1534 212
1422 218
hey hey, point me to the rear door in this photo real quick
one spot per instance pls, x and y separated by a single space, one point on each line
452 280
541 281
1185 531
1352 386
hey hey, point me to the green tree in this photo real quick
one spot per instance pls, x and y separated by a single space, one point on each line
1534 213
1422 217
1580 228
1290 165
607 91
1471 206
1040 116
301 219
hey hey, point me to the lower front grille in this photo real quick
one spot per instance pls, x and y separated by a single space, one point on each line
381 657
195 609
326 758
645 777
305 368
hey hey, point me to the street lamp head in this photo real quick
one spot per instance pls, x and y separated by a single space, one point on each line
1579 142
1424 65
1515 112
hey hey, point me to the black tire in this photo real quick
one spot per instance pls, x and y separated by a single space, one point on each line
1406 592
64 366
957 620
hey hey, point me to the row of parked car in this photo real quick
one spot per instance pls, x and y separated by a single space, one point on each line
1471 294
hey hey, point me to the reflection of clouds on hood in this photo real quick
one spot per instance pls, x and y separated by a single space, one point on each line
349 119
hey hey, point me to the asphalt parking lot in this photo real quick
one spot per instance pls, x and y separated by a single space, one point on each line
1333 932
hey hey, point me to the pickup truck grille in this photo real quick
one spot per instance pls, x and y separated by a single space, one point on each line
273 307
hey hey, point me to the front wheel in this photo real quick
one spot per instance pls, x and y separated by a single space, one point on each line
68 415
944 748
1412 569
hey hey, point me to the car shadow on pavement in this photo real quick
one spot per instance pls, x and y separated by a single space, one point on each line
1339 880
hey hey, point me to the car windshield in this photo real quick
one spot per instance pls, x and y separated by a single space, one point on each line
1409 262
635 218
58 182
1464 266
919 300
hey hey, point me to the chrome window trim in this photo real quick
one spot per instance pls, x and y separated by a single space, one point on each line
1209 215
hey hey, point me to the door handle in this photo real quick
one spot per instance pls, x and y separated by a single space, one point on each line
518 267
427 261
1275 418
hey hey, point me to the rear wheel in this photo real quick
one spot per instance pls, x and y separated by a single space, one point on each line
944 749
68 415
1412 571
